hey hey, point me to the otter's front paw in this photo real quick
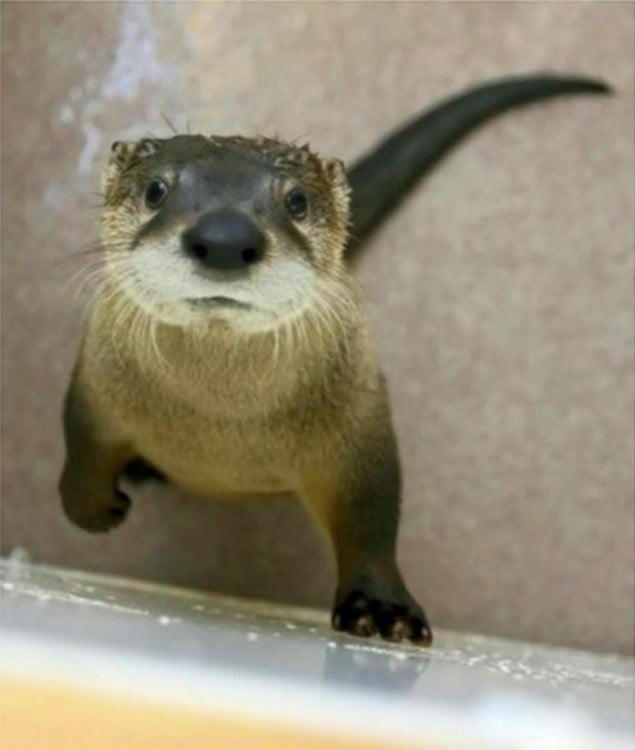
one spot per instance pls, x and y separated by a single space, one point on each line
395 618
98 518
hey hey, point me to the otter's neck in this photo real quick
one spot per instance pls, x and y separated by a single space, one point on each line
225 371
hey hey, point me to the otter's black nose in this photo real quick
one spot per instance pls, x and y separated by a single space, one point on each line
225 239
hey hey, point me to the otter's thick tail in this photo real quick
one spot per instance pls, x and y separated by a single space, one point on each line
381 177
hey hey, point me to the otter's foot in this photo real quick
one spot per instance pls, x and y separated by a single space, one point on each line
395 616
95 517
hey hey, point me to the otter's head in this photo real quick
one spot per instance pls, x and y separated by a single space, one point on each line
246 230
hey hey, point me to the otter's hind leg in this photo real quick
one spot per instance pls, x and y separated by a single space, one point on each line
359 506
88 485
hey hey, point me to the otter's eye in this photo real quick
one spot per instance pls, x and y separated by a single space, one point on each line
296 202
156 193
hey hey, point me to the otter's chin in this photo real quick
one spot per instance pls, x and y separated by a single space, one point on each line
220 311
224 313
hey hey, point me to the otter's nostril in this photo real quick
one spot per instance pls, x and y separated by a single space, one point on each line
200 251
249 255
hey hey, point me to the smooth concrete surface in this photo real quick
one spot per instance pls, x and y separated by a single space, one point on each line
284 665
502 291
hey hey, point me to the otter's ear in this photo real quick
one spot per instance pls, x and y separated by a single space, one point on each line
124 154
336 173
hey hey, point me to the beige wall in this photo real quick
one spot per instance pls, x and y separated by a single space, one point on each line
502 291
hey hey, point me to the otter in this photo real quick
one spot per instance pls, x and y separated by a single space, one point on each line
228 348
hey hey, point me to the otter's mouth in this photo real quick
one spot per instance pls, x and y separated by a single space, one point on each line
218 301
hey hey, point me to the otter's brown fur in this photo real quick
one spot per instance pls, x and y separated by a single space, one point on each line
299 406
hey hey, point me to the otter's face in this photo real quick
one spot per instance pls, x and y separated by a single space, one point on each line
233 228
